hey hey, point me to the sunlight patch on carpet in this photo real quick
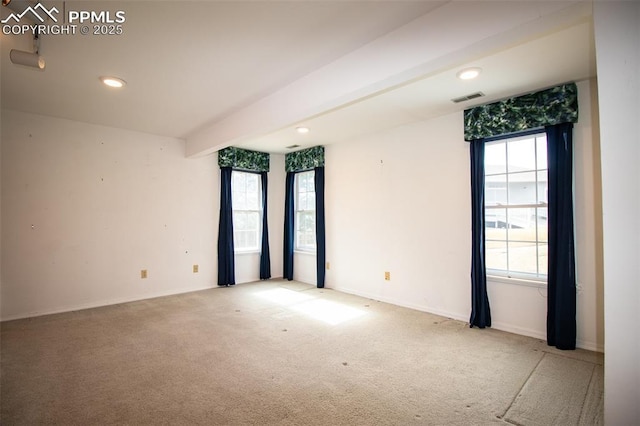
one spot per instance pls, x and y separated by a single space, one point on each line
326 311
330 312
284 297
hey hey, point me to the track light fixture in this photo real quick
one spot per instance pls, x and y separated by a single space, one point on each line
28 59
21 57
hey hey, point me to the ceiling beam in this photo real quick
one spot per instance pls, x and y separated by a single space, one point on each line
448 36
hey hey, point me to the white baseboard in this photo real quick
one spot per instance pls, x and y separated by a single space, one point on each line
422 308
591 346
509 328
91 305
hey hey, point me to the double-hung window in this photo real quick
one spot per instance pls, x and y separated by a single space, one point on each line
305 206
247 211
516 207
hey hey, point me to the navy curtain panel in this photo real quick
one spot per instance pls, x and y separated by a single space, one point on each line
480 311
265 257
561 301
289 223
226 266
320 226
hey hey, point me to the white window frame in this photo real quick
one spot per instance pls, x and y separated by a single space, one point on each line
239 197
303 209
541 235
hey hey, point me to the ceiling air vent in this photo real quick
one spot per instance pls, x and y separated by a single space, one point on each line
468 97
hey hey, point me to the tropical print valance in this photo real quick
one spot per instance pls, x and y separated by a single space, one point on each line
307 159
544 108
243 159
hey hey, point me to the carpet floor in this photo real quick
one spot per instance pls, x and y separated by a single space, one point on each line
285 353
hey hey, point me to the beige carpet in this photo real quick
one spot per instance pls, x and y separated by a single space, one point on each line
284 353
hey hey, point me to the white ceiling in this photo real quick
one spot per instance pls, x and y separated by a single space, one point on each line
563 56
191 66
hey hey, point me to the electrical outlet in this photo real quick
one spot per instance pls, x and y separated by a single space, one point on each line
195 269
328 265
143 273
387 276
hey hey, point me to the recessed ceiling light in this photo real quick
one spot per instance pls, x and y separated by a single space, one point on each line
113 81
302 130
469 73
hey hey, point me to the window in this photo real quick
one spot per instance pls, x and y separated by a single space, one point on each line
246 200
305 204
516 207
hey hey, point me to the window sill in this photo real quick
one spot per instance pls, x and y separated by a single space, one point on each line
517 281
308 253
243 252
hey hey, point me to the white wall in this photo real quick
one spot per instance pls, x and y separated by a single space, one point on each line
304 267
247 265
588 221
277 178
399 201
617 34
85 208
